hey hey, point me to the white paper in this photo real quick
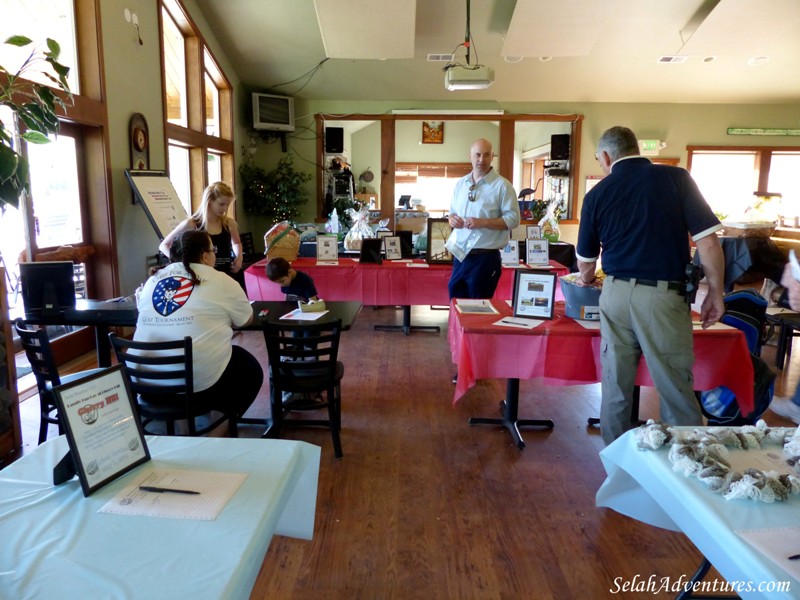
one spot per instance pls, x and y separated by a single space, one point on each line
413 264
777 310
517 322
699 325
778 544
215 488
299 315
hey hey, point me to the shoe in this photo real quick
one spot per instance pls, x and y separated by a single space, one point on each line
784 407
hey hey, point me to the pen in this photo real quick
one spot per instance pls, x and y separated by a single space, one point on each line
794 557
162 490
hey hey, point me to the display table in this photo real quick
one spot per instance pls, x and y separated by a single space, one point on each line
643 485
563 352
56 544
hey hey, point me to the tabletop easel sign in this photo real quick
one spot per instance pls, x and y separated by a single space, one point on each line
391 247
537 252
327 249
509 254
103 430
534 294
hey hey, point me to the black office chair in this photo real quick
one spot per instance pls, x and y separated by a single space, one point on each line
40 356
160 374
303 362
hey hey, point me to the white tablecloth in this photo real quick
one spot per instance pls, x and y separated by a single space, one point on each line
55 544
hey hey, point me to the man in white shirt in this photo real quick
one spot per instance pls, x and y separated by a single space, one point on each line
483 210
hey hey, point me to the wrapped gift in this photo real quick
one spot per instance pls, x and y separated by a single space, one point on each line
283 241
360 229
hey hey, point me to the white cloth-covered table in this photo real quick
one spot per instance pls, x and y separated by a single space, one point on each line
55 544
641 484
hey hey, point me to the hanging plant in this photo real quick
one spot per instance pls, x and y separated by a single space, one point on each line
35 106
277 194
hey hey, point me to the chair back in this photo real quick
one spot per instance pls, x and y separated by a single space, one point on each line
39 354
302 354
746 310
248 247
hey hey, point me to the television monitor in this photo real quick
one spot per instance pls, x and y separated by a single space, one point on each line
405 201
272 112
406 243
48 288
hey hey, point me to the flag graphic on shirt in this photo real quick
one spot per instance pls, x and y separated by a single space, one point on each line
171 293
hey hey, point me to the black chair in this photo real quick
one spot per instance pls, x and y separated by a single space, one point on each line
248 248
40 356
160 374
303 363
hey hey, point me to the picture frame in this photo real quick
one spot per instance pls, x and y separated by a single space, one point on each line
537 252
103 430
371 251
433 132
391 247
509 254
534 294
382 233
438 231
327 247
533 232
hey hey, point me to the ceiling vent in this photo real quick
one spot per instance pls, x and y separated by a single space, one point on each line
440 57
672 59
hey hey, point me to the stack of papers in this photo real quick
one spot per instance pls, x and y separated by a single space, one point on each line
471 306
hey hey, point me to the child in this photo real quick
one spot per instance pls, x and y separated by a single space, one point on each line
295 284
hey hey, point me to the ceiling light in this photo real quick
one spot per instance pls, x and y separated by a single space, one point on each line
545 58
709 59
758 60
512 59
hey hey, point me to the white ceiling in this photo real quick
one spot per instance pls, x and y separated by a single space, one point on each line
601 50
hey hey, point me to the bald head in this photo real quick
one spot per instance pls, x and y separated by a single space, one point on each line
481 156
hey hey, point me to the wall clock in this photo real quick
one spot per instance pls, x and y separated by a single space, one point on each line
139 142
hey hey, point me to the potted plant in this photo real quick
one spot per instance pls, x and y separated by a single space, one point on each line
277 194
35 107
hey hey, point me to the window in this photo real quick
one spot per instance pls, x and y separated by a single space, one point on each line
198 108
730 177
429 184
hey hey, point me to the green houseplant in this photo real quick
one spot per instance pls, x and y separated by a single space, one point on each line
277 194
34 105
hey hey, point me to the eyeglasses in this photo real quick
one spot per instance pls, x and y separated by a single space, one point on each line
471 195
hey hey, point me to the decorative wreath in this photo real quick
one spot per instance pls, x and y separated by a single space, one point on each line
704 454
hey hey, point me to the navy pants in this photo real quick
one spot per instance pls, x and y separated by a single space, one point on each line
476 276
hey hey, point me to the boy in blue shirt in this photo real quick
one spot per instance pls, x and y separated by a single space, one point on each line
295 284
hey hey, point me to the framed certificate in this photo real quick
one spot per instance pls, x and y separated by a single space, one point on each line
436 252
391 247
509 255
534 294
537 252
327 247
533 232
103 429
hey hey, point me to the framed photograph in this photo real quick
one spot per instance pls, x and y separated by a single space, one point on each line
509 255
533 232
534 294
537 252
433 132
391 248
438 232
327 247
371 251
103 428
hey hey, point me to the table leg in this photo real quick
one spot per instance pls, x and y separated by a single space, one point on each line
407 327
592 421
509 409
103 346
698 576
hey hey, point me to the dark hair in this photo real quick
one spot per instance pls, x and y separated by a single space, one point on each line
189 248
277 268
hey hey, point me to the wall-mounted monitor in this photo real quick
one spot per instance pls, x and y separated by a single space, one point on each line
272 112
48 288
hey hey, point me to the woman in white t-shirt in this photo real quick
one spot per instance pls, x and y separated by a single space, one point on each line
189 297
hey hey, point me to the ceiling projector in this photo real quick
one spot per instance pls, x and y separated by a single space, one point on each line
468 78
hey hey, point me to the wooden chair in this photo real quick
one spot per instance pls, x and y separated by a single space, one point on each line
160 375
40 356
303 362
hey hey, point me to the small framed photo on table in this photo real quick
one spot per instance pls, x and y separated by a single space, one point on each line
391 248
509 255
534 294
103 428
537 252
533 232
436 252
327 247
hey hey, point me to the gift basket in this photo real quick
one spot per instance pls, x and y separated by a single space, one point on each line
582 302
360 229
283 241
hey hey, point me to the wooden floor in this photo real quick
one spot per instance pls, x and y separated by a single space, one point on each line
424 506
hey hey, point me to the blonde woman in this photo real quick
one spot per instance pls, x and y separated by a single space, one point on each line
212 218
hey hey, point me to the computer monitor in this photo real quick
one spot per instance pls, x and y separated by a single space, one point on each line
405 201
48 288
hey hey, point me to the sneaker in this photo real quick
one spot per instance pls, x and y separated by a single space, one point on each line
784 407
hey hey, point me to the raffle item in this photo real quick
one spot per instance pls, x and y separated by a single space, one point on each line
282 241
360 229
581 302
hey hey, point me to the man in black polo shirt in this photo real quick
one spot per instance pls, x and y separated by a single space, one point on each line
642 215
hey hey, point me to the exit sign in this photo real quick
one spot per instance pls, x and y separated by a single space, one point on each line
649 147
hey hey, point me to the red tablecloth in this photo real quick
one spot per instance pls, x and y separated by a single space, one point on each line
390 283
563 352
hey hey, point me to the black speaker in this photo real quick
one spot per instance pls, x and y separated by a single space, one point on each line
334 140
559 146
